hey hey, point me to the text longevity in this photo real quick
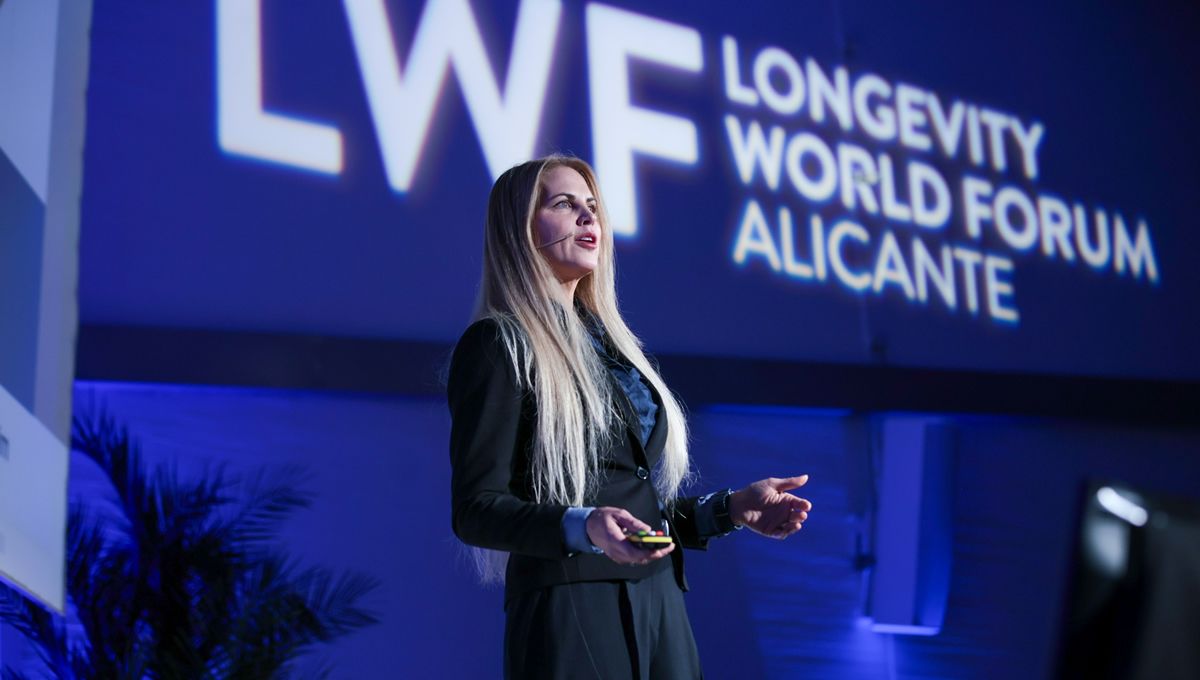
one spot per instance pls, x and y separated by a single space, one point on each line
885 186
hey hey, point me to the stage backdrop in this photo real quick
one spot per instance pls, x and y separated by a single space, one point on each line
760 608
999 187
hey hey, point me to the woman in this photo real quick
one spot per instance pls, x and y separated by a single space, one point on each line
565 441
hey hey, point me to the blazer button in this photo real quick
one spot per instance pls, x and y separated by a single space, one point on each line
642 473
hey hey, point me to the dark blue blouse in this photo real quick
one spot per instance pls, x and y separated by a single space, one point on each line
631 382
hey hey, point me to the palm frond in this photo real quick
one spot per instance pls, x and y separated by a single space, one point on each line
186 578
37 625
9 673
269 497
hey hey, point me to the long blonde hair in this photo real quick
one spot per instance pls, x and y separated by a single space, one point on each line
552 354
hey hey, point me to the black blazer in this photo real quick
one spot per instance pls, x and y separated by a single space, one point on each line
491 491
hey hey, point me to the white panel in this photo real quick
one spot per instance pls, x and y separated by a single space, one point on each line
28 31
57 309
914 527
33 504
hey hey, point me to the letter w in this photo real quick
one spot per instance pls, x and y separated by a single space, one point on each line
402 104
752 150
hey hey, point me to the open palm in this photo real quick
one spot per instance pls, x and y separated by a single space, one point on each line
766 506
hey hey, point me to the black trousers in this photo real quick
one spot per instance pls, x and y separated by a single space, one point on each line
602 630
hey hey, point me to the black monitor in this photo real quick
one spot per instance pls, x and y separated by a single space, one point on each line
1134 606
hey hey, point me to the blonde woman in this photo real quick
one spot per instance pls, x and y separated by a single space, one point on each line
565 441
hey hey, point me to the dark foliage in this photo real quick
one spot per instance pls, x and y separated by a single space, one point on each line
181 579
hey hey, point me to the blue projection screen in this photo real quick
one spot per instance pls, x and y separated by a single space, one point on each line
944 185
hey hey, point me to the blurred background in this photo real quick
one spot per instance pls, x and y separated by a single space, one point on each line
935 255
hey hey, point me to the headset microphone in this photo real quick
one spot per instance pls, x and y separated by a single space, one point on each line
557 240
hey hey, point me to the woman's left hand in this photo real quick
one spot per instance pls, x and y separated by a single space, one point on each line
767 508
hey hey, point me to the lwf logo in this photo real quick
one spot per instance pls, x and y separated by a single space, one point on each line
403 93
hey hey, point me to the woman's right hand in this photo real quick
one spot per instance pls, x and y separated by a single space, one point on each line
607 528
